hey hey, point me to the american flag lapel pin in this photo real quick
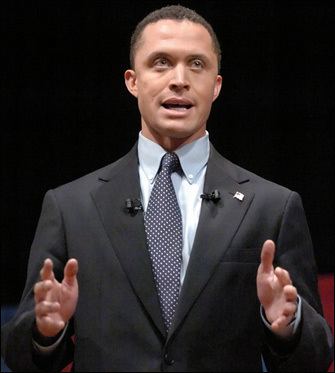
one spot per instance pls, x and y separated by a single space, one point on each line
239 196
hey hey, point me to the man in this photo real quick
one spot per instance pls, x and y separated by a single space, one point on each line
164 260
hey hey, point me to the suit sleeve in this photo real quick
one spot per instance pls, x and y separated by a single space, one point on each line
312 347
16 336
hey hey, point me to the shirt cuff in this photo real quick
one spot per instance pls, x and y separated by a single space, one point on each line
293 325
50 348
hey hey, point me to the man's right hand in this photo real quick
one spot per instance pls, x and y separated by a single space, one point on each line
55 302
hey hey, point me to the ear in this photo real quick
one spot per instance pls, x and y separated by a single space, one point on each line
217 87
131 82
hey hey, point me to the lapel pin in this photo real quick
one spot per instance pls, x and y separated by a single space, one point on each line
239 196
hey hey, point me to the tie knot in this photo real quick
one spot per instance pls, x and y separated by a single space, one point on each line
170 162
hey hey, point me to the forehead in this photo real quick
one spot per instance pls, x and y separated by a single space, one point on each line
174 34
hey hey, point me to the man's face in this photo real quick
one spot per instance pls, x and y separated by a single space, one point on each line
175 80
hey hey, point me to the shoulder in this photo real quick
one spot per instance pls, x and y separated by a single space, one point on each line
94 179
259 185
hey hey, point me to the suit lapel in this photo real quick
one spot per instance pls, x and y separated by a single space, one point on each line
216 228
126 231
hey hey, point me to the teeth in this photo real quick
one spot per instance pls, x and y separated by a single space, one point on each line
179 108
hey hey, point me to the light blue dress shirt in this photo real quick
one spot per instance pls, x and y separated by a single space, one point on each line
188 185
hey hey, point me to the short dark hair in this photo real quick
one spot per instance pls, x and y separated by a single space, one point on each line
173 12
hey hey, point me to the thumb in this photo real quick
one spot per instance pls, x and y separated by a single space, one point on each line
267 255
70 272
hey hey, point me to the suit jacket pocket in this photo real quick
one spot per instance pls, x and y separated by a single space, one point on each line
242 255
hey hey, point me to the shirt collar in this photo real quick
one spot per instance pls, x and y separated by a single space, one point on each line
193 157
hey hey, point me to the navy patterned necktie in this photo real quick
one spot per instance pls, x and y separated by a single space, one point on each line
164 230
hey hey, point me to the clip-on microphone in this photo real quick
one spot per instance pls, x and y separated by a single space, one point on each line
133 206
214 196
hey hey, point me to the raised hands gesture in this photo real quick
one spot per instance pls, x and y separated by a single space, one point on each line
55 302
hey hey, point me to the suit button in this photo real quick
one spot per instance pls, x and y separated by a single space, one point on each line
168 360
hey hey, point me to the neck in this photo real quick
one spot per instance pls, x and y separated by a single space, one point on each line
171 142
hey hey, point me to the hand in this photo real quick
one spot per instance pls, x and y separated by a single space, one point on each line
275 292
55 303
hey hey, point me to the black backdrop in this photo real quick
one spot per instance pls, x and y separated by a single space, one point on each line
66 110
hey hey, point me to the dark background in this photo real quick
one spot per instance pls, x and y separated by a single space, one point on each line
66 111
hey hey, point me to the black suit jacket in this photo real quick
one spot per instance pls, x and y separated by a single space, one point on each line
118 324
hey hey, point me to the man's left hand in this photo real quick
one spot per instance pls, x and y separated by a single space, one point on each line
275 292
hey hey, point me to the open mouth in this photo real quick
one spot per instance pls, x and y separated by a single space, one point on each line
177 107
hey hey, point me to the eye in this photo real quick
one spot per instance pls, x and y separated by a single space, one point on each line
197 64
161 62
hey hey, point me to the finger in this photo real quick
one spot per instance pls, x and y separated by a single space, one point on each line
289 309
47 270
49 326
286 317
290 293
41 289
267 255
70 272
45 307
280 323
283 276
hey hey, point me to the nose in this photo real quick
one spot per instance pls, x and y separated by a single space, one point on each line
179 80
